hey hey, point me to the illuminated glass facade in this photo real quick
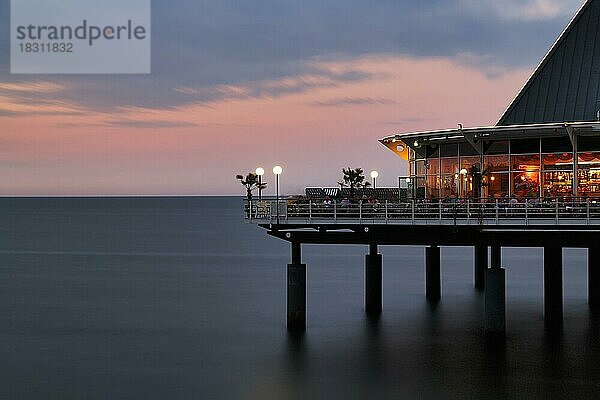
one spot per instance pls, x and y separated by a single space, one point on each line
521 168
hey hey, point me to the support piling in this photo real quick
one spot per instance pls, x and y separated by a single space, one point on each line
553 287
433 287
373 282
495 302
594 277
296 291
481 265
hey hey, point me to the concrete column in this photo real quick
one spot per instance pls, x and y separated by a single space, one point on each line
373 282
495 301
553 286
433 286
594 277
481 265
496 257
296 291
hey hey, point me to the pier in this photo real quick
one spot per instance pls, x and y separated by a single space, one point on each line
530 180
551 224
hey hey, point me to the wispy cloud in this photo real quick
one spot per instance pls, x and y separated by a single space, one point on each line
523 10
353 101
320 78
409 120
32 87
266 48
151 124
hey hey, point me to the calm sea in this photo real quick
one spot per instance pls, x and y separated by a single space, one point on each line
178 298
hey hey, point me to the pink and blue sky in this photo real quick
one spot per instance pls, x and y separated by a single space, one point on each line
308 85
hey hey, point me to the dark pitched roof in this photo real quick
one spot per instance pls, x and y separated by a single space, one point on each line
565 86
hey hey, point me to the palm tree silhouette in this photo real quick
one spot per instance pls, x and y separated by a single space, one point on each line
353 179
251 183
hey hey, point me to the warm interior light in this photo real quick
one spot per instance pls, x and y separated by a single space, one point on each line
493 178
529 168
463 171
277 170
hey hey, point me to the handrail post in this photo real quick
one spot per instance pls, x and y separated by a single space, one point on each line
310 210
587 213
413 211
556 208
335 210
250 209
497 211
468 211
386 211
440 210
287 206
360 211
526 212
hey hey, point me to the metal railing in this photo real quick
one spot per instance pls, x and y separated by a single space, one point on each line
460 212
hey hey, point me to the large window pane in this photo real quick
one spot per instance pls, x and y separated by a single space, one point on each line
589 158
420 168
558 183
498 185
433 186
526 163
558 162
468 162
450 166
420 188
433 166
496 163
526 184
448 186
589 174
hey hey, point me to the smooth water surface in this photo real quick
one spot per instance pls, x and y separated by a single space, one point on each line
178 298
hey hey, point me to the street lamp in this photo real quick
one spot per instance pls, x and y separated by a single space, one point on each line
277 170
374 175
463 182
260 171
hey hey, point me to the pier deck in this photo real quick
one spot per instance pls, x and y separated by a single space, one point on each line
422 212
485 226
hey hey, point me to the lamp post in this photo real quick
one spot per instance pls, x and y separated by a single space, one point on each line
463 185
374 176
260 172
277 170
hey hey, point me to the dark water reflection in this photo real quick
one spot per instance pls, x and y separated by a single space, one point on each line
177 299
